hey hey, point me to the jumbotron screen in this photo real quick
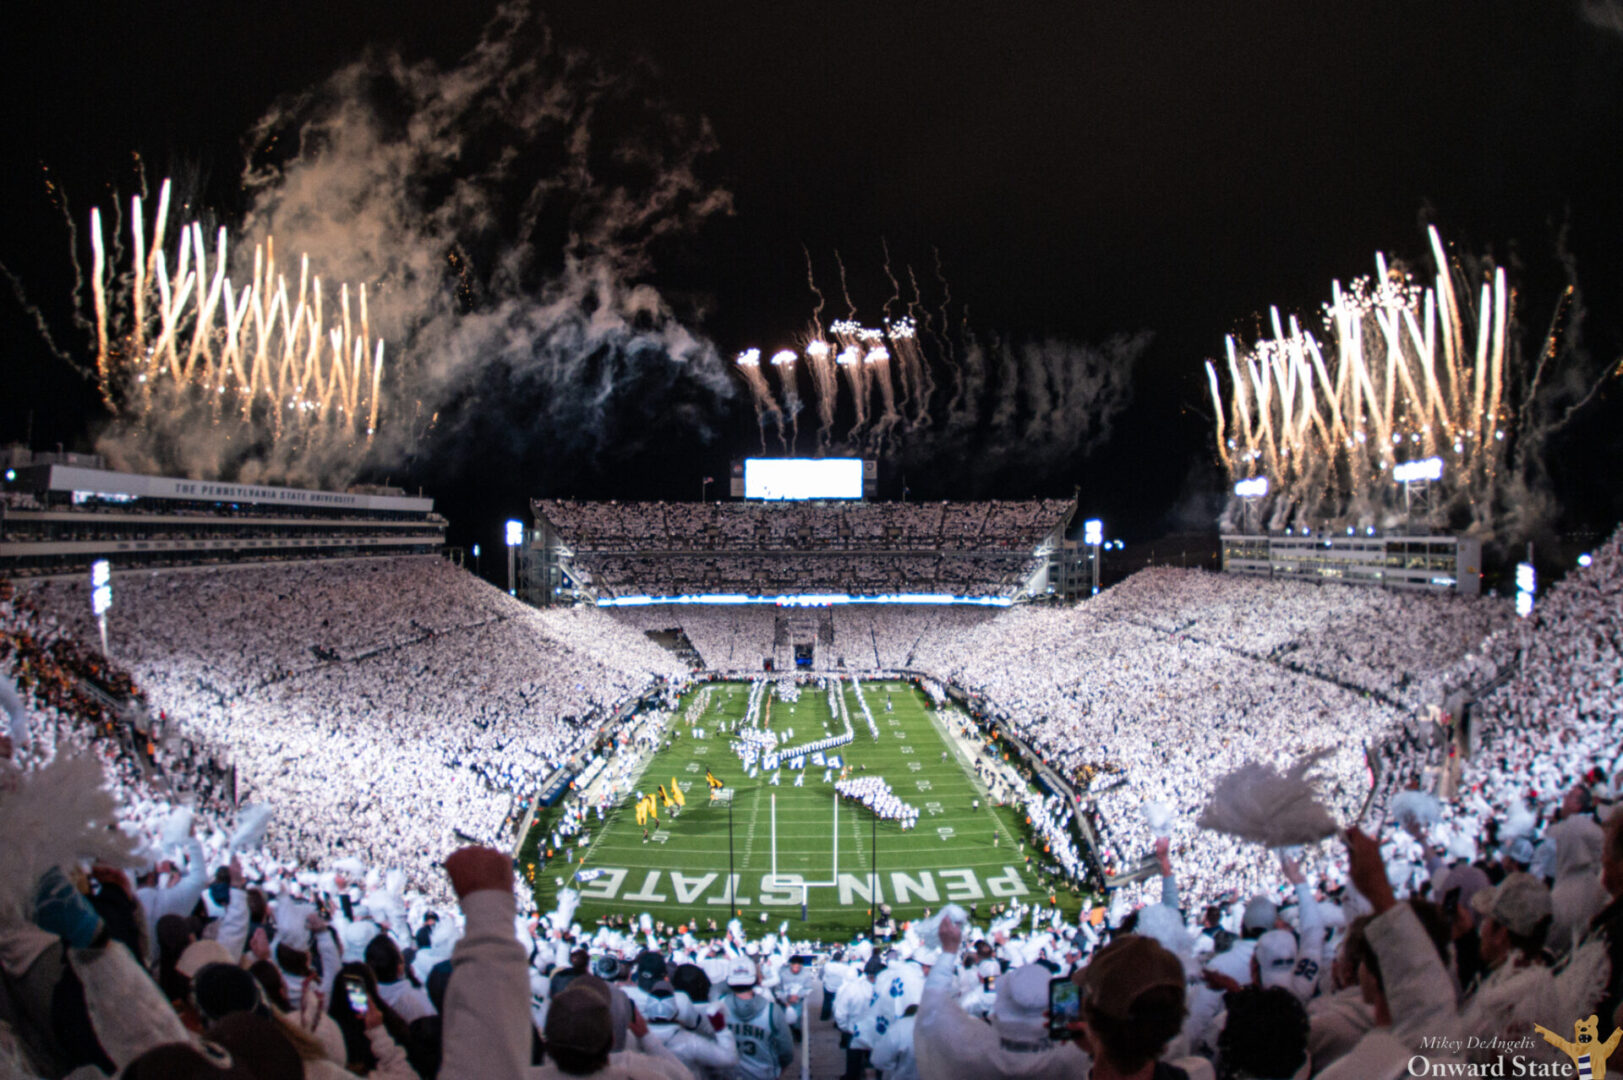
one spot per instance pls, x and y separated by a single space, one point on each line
802 478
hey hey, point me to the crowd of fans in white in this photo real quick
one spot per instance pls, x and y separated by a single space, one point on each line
827 526
859 573
688 549
383 706
1150 694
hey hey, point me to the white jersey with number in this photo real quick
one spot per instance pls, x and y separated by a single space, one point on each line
760 1035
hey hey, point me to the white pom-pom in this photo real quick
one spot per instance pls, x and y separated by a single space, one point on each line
1410 808
11 703
929 930
1158 816
253 820
176 827
59 815
568 901
1520 821
1256 802
1165 925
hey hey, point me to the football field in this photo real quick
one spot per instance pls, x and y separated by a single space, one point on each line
679 874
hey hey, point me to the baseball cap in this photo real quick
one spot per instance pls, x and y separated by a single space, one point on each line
1260 913
1124 971
1521 850
741 973
1276 957
1019 1010
661 1003
1469 880
606 967
874 966
650 968
1519 903
199 954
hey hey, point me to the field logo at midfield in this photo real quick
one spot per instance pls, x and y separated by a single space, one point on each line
1588 1055
784 890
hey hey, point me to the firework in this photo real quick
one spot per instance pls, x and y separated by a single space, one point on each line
749 365
783 362
911 368
999 408
1403 372
178 340
825 386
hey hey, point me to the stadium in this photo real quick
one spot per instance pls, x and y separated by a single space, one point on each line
391 688
753 725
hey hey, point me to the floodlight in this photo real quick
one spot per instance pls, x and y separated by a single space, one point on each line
476 551
1584 559
11 474
1256 487
515 533
1524 604
101 587
1411 471
1526 577
1093 531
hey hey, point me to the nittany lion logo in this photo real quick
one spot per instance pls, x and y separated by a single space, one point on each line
1588 1056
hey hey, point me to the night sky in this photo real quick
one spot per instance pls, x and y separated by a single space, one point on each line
1082 171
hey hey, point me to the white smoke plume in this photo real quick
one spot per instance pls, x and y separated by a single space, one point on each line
1605 14
502 213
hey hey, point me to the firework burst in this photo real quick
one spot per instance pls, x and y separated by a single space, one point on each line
1403 372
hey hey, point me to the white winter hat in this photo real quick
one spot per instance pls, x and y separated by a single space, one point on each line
1019 1013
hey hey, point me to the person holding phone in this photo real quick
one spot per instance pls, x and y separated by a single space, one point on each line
949 1044
374 1035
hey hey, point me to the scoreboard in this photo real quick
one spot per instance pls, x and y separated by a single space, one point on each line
803 478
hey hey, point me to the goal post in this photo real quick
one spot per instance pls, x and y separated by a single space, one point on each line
834 869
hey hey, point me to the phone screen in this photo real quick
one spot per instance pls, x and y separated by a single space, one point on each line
358 1001
1064 1006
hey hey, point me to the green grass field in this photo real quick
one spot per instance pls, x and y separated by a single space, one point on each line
680 874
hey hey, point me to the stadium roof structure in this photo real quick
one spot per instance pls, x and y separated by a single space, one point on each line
804 553
60 513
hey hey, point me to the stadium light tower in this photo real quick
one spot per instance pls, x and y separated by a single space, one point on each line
1250 491
1526 585
515 537
101 597
1093 534
1426 471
